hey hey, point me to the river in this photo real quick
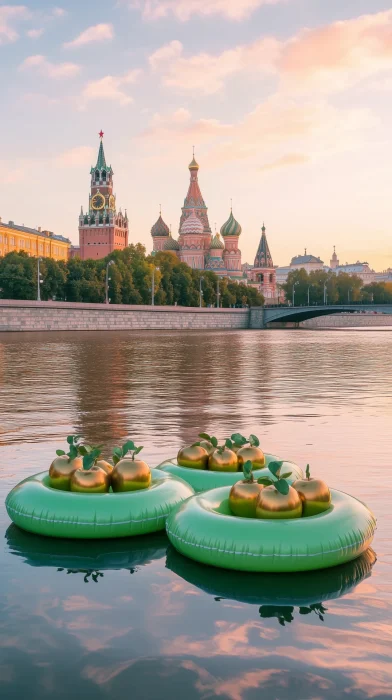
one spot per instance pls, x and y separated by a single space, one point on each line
143 622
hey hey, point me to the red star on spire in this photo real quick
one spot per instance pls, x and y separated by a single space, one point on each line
100 134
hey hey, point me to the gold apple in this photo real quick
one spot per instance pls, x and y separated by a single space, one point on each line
93 480
130 475
314 494
106 466
252 453
194 457
61 470
272 504
208 446
223 460
243 498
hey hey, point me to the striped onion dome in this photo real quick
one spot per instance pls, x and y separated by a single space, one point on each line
216 242
160 228
171 244
231 227
192 224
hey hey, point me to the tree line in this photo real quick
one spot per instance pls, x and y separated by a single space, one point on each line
338 289
130 280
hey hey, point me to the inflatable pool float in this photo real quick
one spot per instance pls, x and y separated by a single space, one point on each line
204 529
72 556
34 506
302 589
204 480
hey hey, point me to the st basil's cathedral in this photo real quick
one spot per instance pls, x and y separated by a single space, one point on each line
202 250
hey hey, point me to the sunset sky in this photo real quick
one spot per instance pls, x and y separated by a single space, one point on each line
288 104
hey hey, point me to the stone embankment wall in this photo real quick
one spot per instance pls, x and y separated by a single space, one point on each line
348 321
67 316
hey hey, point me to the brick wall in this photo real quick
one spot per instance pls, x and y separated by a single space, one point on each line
348 320
54 316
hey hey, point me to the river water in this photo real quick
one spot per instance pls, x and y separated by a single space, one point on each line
132 618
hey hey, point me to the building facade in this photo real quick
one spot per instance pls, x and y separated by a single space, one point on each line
34 242
102 229
196 245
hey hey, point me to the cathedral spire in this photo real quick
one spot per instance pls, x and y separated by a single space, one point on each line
263 256
194 199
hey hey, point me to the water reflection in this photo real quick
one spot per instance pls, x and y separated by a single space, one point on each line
158 625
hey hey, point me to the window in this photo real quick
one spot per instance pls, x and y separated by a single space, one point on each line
1 238
27 244
12 240
41 247
21 243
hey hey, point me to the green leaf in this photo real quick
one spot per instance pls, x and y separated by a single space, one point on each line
274 467
282 486
70 439
84 450
254 441
138 449
214 442
265 480
307 471
247 470
73 452
229 444
238 439
196 444
285 475
60 452
128 446
88 461
204 436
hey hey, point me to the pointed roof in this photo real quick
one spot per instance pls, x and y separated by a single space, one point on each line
101 162
216 243
263 256
231 227
171 244
194 199
160 228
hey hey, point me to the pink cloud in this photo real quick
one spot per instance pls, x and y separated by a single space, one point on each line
285 161
183 10
327 59
9 17
40 64
110 87
98 33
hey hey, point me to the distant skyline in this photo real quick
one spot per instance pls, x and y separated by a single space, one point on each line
288 104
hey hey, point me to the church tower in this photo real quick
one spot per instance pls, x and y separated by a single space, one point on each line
231 231
101 229
334 262
263 274
194 204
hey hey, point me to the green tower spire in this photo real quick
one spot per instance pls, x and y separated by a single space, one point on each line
101 162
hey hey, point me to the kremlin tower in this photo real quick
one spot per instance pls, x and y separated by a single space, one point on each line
334 262
101 229
263 274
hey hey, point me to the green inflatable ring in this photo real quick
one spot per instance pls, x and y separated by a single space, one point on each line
204 529
204 480
36 507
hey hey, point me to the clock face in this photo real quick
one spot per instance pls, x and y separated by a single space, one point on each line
112 202
98 201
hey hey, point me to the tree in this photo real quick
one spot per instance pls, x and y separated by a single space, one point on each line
54 275
18 276
378 292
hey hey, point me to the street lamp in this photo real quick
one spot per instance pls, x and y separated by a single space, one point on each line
294 286
308 294
107 278
153 284
39 280
200 289
348 295
325 293
217 294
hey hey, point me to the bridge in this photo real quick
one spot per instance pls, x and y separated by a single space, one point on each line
295 314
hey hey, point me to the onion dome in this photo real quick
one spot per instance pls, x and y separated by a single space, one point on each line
231 227
171 244
160 228
193 165
217 243
192 224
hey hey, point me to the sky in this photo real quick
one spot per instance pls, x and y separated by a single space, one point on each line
287 102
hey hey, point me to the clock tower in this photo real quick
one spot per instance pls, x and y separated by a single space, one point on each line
102 228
